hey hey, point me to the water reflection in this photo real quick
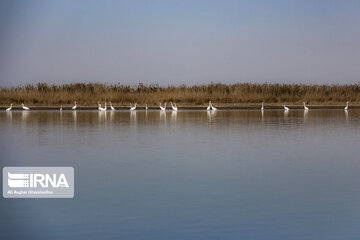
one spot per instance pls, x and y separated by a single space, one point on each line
9 115
306 112
61 116
211 114
238 175
346 115
112 113
25 115
102 116
74 114
162 116
133 116
286 113
173 116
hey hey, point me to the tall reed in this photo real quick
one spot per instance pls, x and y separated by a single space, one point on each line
91 93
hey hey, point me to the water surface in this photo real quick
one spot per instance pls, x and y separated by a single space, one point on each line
188 175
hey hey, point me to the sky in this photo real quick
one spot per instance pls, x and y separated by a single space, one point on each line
179 42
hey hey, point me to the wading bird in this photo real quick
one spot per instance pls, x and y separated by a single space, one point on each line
61 108
74 107
346 108
163 108
146 107
305 107
111 107
286 108
173 106
133 108
9 108
209 107
101 108
24 107
262 106
212 107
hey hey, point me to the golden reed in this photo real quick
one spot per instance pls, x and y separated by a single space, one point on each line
88 94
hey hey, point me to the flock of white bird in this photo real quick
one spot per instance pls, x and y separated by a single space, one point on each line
162 108
287 109
305 107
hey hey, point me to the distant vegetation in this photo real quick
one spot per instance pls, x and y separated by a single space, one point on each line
246 93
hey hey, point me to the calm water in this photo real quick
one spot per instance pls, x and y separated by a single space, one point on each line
188 175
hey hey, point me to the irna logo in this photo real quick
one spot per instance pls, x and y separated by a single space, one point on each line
35 180
38 182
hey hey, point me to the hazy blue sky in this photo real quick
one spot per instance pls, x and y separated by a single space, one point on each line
173 42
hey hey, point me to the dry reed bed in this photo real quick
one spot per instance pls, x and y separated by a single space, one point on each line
89 94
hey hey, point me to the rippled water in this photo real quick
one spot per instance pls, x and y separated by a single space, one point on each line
188 175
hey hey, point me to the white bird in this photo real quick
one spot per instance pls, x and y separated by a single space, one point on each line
146 107
305 107
212 107
74 107
61 108
101 108
105 107
163 108
173 106
9 108
209 107
262 106
133 108
111 106
346 108
24 107
286 108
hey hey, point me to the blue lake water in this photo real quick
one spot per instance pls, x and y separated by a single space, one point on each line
188 175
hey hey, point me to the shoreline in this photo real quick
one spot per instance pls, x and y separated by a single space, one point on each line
194 107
